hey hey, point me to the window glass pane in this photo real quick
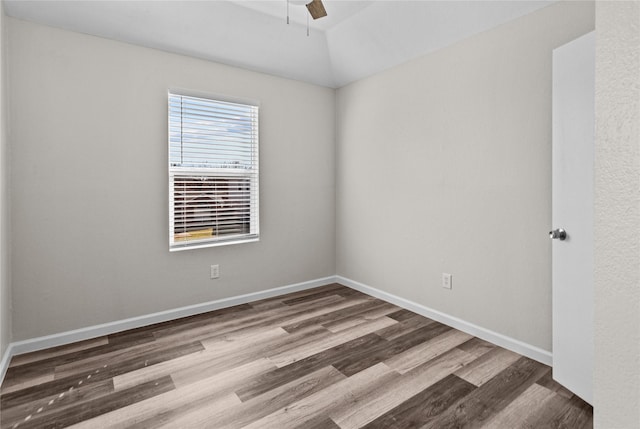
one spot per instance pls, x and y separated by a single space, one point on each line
213 171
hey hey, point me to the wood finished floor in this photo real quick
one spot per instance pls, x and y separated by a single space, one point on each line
330 357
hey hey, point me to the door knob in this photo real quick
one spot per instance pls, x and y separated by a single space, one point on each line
558 234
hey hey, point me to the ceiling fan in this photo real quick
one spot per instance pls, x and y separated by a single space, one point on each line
315 7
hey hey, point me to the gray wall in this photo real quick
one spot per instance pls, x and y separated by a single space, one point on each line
89 174
617 216
106 260
443 165
5 278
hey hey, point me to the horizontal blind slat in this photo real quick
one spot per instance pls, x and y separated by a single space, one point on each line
213 170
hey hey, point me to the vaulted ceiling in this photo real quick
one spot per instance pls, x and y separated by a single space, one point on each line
357 38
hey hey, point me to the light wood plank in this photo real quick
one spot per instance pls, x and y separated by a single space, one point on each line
215 391
492 397
140 352
152 411
54 402
487 366
384 397
290 356
69 414
517 413
424 406
424 352
361 304
288 373
563 412
365 317
341 394
200 360
242 414
24 383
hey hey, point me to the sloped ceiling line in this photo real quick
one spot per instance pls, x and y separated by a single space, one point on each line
357 38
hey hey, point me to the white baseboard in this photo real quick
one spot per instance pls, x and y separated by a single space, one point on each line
34 344
4 363
509 343
40 343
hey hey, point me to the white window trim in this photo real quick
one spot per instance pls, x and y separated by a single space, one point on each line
254 234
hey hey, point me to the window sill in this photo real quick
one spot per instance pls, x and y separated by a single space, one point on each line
179 248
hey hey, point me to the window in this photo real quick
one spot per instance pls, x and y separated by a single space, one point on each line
213 172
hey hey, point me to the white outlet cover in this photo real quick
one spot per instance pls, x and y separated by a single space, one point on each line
446 280
215 271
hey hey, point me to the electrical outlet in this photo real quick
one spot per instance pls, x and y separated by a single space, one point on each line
446 280
215 271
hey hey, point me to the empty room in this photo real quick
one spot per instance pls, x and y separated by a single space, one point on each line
319 214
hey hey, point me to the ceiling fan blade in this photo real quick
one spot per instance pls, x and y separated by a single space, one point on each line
316 9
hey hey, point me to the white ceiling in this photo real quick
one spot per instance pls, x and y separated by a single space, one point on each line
357 38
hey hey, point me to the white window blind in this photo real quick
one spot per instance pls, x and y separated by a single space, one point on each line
213 172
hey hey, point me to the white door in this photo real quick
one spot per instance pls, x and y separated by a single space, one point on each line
572 258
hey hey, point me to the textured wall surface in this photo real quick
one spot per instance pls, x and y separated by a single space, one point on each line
617 216
89 181
444 165
5 278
